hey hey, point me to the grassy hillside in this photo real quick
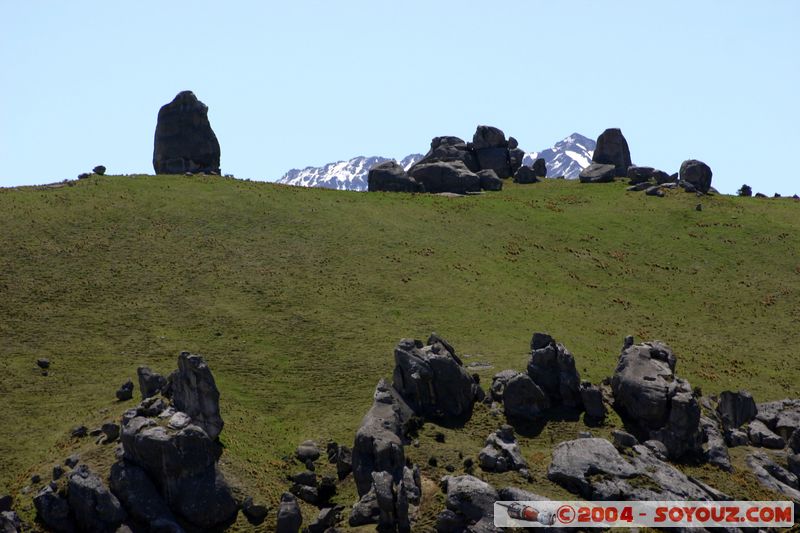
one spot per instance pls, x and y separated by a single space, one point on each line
296 298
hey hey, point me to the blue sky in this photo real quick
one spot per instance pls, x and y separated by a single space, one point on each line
304 83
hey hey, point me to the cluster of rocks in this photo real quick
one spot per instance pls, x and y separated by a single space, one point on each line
551 381
184 141
455 166
166 476
612 159
502 453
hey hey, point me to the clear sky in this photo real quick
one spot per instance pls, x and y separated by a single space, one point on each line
302 83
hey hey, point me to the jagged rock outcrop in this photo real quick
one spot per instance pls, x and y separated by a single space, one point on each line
499 382
184 140
654 401
716 452
469 506
194 392
612 149
433 381
782 416
93 506
391 177
595 470
697 174
448 148
53 510
501 453
552 368
179 457
735 409
776 478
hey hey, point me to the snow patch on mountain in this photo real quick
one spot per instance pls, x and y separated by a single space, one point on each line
350 175
567 157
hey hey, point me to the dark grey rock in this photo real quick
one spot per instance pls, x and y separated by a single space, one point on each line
255 513
470 501
195 393
448 149
6 502
184 140
43 363
660 405
307 451
10 522
639 187
53 511
638 175
623 439
490 181
499 382
592 400
597 173
72 460
552 368
495 159
94 507
736 437
539 168
150 383
716 450
58 471
696 173
662 177
594 469
523 399
110 432
512 143
379 441
525 175
612 149
793 463
441 176
774 477
794 441
654 191
433 381
515 158
125 392
761 435
141 498
289 516
736 408
307 478
344 462
501 453
100 170
326 519
488 137
391 177
79 432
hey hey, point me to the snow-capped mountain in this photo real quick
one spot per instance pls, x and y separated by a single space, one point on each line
343 175
567 158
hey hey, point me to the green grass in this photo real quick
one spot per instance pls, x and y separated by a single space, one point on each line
296 298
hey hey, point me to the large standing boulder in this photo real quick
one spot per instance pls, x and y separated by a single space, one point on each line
612 149
654 401
195 393
552 368
433 381
94 507
736 408
141 498
390 176
184 140
289 516
696 173
53 510
441 176
379 440
597 173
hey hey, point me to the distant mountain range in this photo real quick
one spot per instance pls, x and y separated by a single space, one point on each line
566 158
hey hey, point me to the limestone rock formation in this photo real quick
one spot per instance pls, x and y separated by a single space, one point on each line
391 177
194 392
612 149
433 381
697 174
184 140
597 173
523 399
94 507
469 506
501 453
552 368
441 176
656 402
